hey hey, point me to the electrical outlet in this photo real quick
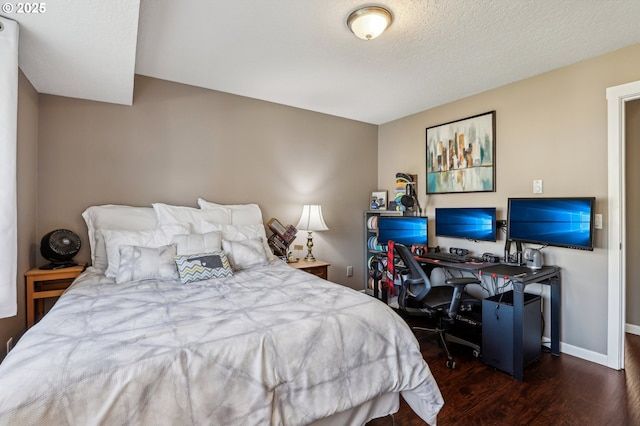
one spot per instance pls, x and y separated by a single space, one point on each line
9 344
349 271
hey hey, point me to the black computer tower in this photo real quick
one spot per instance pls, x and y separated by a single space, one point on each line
497 330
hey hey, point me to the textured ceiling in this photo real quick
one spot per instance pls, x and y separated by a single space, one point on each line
300 52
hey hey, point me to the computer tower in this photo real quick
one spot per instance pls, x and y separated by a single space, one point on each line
497 330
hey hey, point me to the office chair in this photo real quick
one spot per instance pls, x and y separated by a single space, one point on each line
441 304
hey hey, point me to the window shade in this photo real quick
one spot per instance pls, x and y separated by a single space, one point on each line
8 150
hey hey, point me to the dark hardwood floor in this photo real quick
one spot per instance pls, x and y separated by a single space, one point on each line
562 390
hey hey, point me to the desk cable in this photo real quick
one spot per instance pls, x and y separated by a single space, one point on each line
495 288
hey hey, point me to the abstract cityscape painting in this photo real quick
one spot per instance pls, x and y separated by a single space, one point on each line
461 155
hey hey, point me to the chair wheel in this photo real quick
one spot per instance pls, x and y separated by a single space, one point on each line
451 364
476 353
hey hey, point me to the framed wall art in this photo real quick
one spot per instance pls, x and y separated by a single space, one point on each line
461 155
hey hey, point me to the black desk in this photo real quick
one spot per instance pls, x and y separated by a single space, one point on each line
520 277
462 266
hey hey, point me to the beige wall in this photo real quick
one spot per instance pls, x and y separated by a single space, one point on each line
632 237
26 181
551 127
178 142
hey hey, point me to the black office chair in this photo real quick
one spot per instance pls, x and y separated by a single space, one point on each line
444 305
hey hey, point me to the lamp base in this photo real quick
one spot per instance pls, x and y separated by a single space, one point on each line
309 257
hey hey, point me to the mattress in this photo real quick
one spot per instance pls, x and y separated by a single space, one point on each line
269 345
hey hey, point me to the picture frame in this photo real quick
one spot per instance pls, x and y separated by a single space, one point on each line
461 155
379 200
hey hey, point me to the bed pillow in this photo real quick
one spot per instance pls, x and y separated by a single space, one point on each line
112 216
173 215
143 263
198 243
245 254
158 237
241 214
240 233
203 266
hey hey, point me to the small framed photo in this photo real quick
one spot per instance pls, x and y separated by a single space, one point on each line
379 200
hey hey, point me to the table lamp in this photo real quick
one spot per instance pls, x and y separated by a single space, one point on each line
311 220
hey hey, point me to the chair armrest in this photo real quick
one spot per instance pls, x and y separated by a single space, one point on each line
459 285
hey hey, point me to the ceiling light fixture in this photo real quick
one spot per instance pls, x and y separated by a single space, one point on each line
369 22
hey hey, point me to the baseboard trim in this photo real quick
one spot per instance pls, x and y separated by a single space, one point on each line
585 354
633 329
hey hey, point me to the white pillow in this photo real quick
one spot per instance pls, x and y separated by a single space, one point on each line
241 214
245 254
173 215
239 233
112 216
144 263
209 242
161 236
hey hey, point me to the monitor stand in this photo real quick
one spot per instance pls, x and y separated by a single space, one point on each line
515 259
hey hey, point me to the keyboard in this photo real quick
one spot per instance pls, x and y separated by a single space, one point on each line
447 257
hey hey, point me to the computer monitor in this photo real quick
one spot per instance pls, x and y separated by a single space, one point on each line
561 222
407 230
471 223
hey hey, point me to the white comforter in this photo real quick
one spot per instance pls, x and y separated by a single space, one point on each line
271 345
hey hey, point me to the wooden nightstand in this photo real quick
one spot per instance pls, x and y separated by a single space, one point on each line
46 283
317 267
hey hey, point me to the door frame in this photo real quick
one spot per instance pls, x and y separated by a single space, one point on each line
617 97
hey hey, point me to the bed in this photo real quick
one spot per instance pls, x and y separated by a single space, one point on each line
258 343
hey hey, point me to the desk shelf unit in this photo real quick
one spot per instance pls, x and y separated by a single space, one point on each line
371 247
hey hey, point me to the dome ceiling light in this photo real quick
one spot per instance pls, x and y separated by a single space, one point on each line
369 22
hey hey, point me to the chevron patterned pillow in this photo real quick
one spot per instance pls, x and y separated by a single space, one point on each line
205 266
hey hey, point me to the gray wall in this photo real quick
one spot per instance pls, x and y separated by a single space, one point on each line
632 156
178 142
551 127
27 203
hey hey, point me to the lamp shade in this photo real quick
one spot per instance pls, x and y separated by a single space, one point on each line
369 22
311 219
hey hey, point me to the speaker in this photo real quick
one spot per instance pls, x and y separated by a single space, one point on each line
490 258
458 251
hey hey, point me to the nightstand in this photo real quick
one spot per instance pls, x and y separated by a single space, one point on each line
46 283
317 267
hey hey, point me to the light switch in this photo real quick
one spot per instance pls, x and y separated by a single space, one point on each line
537 186
597 221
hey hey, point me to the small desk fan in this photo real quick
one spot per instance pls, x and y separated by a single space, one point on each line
59 247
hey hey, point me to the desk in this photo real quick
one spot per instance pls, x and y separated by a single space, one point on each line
520 277
462 266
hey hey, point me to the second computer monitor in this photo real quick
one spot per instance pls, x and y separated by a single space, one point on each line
407 230
471 223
